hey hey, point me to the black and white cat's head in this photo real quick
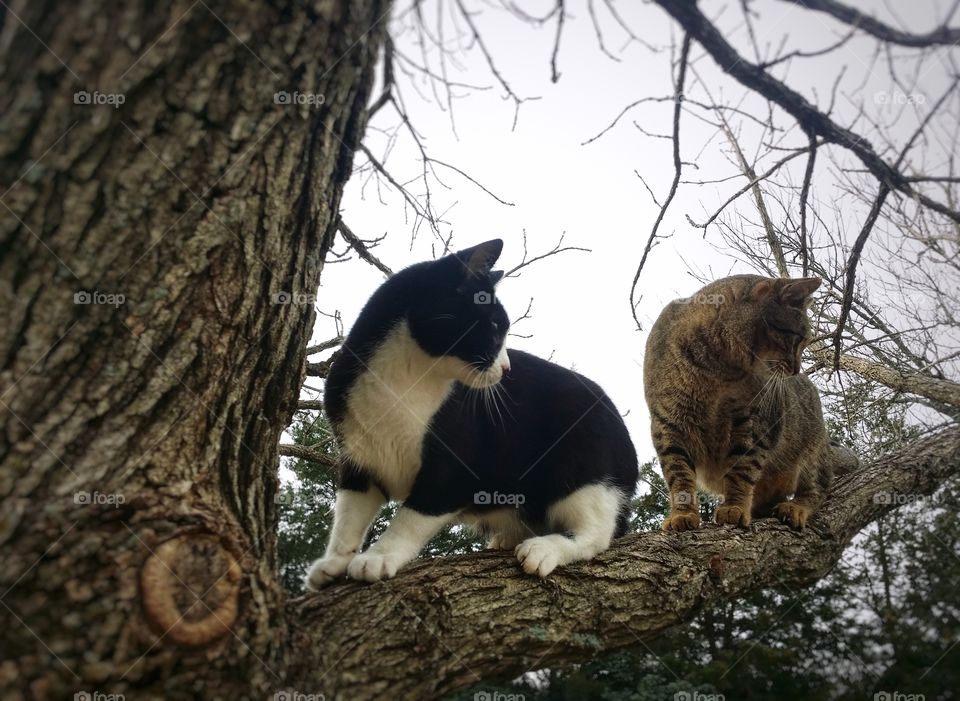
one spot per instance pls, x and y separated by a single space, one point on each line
455 317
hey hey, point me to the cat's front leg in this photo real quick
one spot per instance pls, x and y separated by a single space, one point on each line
813 483
353 512
680 477
746 456
738 485
678 471
404 538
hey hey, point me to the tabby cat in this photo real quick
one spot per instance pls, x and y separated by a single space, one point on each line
431 410
730 411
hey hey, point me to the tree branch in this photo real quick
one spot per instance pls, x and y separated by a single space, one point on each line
290 450
811 119
326 345
479 616
939 390
357 244
941 36
677 172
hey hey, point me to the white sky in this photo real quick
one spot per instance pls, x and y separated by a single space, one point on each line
580 313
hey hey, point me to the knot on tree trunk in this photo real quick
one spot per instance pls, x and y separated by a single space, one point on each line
191 587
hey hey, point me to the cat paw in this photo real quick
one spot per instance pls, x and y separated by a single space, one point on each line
793 514
539 556
732 515
372 567
681 521
323 571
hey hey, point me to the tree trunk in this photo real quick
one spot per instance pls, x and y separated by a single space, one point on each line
184 203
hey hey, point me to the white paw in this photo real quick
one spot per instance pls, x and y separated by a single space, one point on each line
327 569
372 567
539 556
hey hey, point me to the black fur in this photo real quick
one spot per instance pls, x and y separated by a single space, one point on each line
552 432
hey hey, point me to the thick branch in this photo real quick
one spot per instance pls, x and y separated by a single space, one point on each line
941 36
938 390
443 624
298 451
325 345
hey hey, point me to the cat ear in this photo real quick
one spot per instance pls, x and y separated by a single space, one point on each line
495 276
795 292
764 288
478 260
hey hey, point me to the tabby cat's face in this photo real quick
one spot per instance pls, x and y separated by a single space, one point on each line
770 316
457 317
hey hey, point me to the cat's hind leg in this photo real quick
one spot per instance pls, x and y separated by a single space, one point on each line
584 523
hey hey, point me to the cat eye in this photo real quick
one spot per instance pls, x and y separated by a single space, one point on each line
785 332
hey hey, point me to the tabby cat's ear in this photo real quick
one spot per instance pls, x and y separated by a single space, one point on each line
795 292
478 260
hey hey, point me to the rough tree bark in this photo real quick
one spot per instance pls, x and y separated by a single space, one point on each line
138 453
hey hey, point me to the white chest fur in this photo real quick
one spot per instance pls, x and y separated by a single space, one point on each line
389 409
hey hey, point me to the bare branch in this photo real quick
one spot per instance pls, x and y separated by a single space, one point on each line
804 195
677 171
810 118
561 15
941 36
357 244
851 275
326 345
290 450
558 248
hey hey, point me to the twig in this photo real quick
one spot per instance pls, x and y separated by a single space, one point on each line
357 244
326 345
677 170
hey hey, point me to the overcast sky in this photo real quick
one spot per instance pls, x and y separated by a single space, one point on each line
591 193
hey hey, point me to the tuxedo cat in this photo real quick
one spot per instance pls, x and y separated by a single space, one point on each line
430 409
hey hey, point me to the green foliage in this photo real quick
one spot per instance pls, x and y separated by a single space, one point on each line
304 505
